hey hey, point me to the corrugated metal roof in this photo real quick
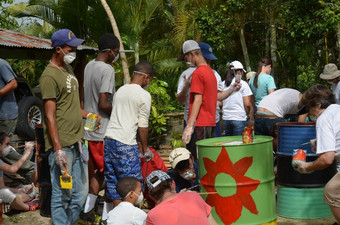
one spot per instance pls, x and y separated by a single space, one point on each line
11 38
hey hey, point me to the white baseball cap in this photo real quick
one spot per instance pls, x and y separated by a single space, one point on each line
237 65
188 46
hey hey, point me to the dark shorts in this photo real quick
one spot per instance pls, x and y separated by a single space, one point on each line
120 160
199 133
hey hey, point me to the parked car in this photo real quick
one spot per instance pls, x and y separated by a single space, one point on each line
30 110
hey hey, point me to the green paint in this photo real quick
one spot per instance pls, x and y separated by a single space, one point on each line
224 178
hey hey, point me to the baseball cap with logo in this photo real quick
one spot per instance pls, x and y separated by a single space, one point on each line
65 37
207 51
160 175
188 46
177 155
237 65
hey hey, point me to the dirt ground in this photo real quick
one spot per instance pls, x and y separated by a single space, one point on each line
34 217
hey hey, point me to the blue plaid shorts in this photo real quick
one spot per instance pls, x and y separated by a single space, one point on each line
120 160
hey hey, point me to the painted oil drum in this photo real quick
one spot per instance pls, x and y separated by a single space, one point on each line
301 203
294 135
237 179
287 176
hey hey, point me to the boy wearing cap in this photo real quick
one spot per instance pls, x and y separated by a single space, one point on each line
203 97
332 75
173 208
63 128
130 112
99 87
184 169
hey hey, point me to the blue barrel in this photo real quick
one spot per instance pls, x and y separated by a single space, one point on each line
290 136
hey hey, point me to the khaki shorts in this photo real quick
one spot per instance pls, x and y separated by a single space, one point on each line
332 191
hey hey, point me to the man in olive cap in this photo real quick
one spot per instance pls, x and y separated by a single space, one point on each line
332 75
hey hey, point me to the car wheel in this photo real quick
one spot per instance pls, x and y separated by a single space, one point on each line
30 114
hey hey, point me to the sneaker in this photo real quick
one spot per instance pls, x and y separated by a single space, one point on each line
89 216
33 205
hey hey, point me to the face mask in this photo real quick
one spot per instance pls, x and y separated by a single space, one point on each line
190 64
116 58
70 57
140 198
146 87
187 175
7 150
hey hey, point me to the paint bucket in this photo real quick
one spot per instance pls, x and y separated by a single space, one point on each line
302 203
240 179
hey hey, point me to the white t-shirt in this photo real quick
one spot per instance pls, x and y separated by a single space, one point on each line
126 214
233 107
336 92
99 77
328 131
281 102
130 110
181 82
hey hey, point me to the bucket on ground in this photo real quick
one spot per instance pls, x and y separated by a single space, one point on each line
238 179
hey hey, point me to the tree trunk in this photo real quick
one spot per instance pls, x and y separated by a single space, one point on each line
244 48
338 44
136 52
115 29
273 45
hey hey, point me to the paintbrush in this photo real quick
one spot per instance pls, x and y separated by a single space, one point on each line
65 180
207 193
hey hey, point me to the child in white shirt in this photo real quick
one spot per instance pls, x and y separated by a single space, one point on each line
126 213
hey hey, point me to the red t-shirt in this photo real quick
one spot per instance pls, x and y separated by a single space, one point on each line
185 208
204 82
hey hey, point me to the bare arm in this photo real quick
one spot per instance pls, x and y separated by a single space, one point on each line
247 106
143 134
50 113
211 220
323 161
221 95
10 86
104 104
17 165
271 91
302 117
196 105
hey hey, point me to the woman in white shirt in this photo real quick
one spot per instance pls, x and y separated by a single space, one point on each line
237 107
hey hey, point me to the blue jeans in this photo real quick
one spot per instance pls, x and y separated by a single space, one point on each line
218 132
263 125
234 127
66 204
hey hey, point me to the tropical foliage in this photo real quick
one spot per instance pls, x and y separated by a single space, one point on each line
300 36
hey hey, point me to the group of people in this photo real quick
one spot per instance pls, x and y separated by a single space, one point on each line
117 151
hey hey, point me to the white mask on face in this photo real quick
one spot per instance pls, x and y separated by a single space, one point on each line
7 150
140 198
190 64
187 175
116 58
70 57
